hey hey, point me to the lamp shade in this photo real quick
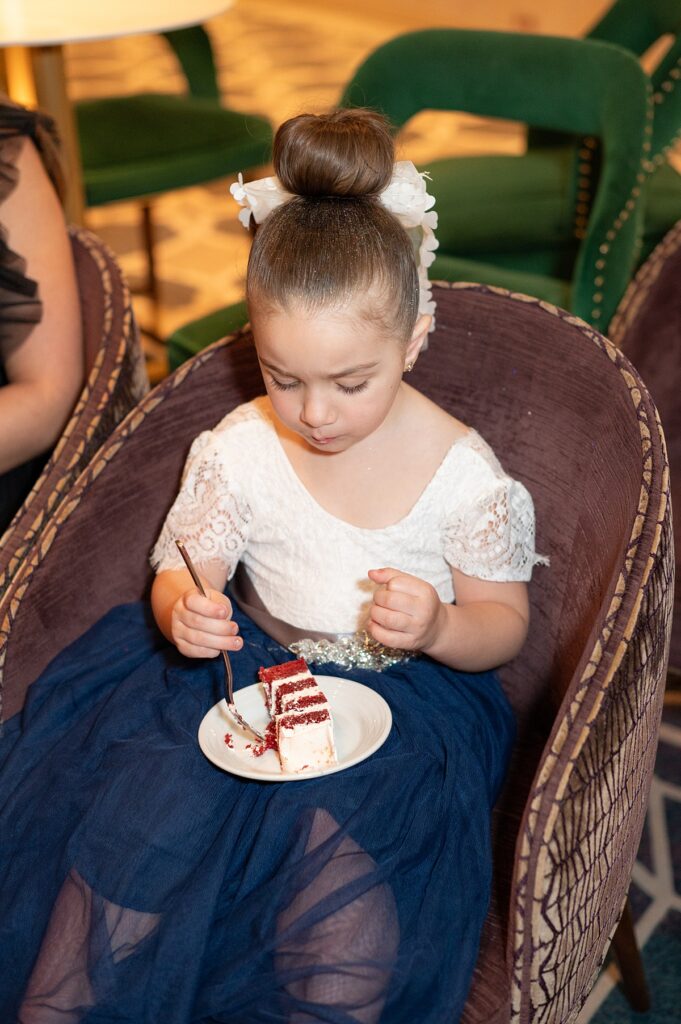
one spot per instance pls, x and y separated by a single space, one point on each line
45 23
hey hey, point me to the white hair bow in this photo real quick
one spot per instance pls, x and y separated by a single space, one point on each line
405 196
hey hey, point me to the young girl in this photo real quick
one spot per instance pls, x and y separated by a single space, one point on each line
139 883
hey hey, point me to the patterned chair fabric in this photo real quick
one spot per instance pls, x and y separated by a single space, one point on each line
647 327
115 381
569 416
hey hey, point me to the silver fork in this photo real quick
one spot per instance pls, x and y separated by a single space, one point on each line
228 668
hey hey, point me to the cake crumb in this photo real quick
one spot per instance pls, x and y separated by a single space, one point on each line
270 741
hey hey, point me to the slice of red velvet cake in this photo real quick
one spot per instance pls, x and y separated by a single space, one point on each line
282 675
302 717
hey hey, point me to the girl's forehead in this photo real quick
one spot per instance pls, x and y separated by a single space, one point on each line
347 310
323 338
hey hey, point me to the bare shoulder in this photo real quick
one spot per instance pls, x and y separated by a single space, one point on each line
435 423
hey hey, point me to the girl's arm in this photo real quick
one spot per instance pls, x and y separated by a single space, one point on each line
484 629
45 370
200 627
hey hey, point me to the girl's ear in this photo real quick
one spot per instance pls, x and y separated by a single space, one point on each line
416 342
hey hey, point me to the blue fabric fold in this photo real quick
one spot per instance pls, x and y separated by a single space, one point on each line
140 883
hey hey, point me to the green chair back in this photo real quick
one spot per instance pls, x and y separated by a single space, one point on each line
569 85
147 143
636 25
189 339
193 49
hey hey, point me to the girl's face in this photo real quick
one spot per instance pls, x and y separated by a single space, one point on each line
332 376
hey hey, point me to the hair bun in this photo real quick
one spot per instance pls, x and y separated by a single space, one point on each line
345 153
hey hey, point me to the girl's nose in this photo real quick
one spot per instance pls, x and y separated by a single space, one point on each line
317 411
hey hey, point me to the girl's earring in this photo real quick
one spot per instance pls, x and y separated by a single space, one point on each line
409 367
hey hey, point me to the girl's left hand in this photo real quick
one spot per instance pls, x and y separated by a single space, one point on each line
406 613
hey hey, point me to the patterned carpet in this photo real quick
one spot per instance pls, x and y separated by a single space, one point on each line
281 59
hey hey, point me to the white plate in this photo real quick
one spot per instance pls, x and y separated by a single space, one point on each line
361 723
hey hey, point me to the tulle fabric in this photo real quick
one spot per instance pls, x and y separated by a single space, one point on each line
139 883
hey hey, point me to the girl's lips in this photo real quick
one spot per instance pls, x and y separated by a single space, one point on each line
323 440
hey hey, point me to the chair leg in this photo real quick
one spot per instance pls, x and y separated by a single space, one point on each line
628 958
673 687
148 232
152 290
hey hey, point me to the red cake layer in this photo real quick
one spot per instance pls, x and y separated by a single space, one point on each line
269 743
286 688
305 702
311 718
289 668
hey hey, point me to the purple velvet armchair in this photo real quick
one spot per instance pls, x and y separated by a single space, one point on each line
647 327
570 417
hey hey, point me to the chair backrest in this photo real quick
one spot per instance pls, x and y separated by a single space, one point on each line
567 415
647 328
636 25
115 380
565 84
193 49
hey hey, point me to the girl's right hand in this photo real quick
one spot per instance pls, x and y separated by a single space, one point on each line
201 626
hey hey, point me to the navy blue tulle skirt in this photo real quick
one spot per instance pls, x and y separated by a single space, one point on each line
140 884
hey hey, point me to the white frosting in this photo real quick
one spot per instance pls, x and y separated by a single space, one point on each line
306 744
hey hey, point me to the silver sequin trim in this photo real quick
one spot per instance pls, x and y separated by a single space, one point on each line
357 650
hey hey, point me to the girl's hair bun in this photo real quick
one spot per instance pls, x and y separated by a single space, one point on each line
346 153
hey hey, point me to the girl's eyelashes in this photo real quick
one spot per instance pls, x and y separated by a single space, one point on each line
284 387
354 390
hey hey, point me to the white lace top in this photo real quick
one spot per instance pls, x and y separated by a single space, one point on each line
241 500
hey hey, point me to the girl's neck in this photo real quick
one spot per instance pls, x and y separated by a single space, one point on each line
377 481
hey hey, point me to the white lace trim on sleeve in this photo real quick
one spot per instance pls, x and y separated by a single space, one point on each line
494 539
208 515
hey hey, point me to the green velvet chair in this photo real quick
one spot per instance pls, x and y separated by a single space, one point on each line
558 83
637 25
528 214
196 335
569 85
134 147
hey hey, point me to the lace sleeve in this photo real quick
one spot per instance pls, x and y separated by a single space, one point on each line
494 538
208 515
